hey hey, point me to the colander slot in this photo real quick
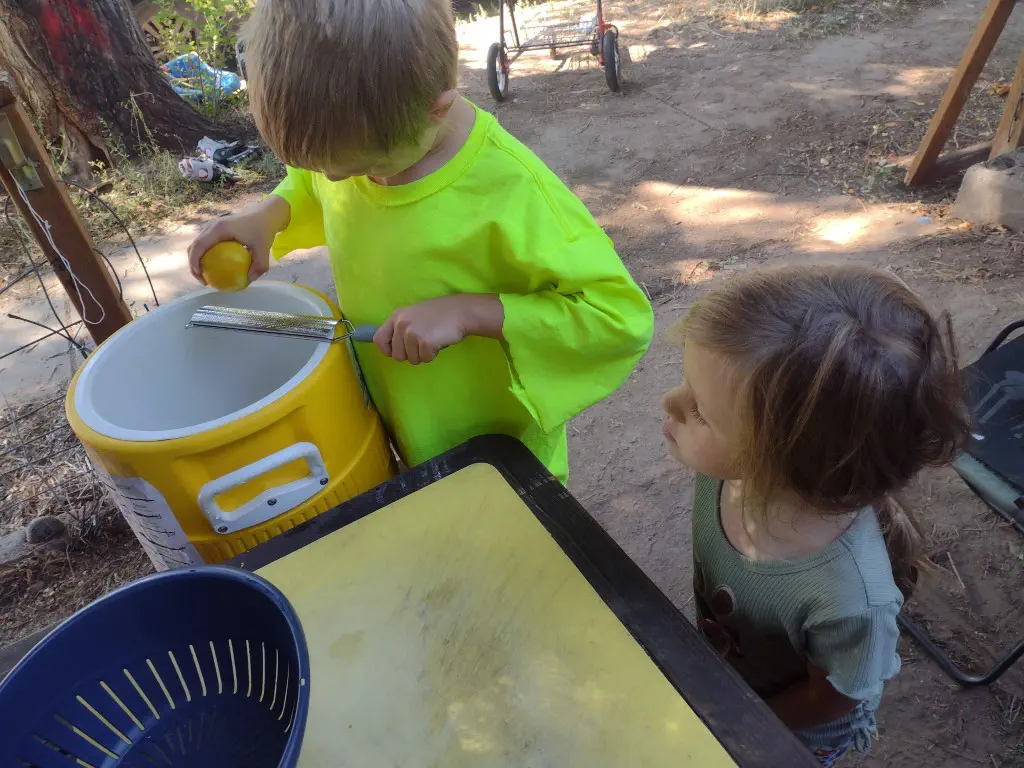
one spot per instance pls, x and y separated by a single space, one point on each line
199 670
277 669
291 721
284 699
263 674
84 736
170 745
216 669
122 705
248 666
213 721
160 682
234 669
61 751
164 745
181 677
295 708
197 731
202 732
164 759
202 729
142 693
181 739
110 726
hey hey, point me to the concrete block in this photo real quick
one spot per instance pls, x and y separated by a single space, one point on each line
992 193
13 547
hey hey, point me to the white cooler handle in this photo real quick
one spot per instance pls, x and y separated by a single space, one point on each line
270 503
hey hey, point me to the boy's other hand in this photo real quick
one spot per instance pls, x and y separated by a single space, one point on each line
417 334
255 228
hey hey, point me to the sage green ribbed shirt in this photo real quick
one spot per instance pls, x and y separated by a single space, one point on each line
837 609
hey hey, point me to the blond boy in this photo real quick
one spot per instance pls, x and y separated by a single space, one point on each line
466 250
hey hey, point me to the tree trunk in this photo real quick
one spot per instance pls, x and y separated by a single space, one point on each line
85 73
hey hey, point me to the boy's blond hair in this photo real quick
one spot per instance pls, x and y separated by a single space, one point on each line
329 78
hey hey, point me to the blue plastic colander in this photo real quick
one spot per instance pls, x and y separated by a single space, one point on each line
192 668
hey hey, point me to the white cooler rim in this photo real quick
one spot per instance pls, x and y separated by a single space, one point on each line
84 386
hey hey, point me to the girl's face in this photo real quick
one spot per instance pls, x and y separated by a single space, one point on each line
700 426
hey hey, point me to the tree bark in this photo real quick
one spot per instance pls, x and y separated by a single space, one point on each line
86 75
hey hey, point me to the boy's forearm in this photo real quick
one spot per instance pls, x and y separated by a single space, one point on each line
483 315
275 211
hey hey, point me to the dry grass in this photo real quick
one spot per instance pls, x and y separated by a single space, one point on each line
759 23
965 254
775 23
865 157
147 194
17 250
150 194
50 586
44 471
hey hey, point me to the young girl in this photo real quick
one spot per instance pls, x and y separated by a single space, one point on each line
811 396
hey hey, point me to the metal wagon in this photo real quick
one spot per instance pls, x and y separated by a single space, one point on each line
595 32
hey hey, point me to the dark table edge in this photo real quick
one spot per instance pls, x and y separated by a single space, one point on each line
737 717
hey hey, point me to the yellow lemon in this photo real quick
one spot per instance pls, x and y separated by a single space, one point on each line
226 265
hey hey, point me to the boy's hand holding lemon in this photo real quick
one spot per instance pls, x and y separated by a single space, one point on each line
235 250
226 266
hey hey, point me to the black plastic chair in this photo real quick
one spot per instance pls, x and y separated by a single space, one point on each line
992 467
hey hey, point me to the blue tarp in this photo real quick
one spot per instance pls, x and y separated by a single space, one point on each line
193 78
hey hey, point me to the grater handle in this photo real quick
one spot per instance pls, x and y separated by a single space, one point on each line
364 333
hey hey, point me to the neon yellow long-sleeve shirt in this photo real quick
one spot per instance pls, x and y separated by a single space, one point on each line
494 219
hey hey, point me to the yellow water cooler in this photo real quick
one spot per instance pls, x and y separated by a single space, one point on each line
213 441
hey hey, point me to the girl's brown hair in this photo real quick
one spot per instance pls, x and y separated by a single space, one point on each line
848 387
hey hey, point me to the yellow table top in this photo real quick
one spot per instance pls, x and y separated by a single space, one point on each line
450 629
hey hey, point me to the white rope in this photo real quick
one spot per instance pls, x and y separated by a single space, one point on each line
78 284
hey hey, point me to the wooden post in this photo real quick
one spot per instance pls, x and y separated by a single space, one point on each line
957 160
978 50
1010 133
91 289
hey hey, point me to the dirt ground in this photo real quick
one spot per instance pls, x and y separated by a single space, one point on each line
742 140
745 141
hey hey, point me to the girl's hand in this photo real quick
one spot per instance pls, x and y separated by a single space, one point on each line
417 334
811 703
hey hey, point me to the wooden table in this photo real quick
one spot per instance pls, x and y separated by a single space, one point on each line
471 613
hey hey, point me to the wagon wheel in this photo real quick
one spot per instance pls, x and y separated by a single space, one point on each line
612 61
497 71
182 24
156 32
